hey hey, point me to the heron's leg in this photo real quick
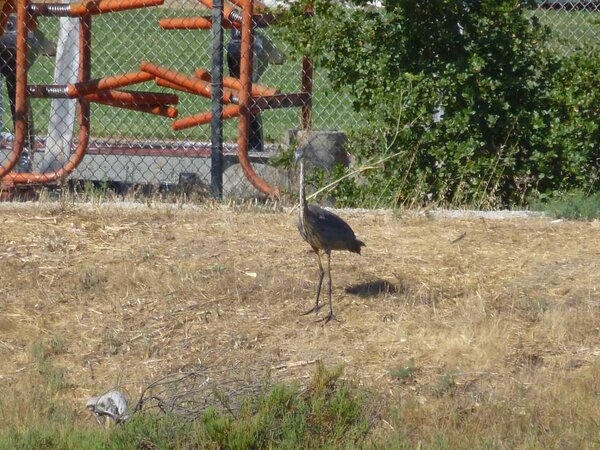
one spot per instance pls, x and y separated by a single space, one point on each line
321 275
330 316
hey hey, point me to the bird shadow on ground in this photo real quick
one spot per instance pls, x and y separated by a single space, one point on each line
373 288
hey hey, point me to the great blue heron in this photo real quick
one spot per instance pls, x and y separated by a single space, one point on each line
324 231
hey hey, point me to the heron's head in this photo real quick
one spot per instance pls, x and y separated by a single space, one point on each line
299 154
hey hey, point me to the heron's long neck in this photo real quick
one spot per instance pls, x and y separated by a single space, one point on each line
303 204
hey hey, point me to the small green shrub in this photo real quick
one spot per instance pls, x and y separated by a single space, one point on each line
404 372
445 385
574 206
330 413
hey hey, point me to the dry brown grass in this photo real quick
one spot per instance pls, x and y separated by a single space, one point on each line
501 328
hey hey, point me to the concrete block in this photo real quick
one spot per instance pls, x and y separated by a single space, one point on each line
324 149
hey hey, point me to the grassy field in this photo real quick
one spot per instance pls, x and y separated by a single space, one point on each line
453 333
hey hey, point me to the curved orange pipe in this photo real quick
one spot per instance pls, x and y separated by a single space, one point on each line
21 86
244 120
83 115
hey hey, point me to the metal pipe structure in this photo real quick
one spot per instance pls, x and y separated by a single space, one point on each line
307 82
83 114
244 103
251 98
307 87
85 90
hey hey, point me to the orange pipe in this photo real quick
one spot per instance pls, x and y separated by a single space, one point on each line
167 84
204 118
106 6
194 84
139 98
245 92
159 110
21 115
191 23
234 83
307 87
112 82
83 115
203 74
186 23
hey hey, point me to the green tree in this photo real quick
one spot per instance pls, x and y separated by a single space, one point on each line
484 63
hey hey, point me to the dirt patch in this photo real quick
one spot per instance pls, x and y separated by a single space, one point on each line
131 295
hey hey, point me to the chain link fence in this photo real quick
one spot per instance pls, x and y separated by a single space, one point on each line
130 147
575 25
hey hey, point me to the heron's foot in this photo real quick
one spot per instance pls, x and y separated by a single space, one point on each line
315 309
329 317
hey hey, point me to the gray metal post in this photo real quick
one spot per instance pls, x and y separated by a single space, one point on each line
216 122
62 111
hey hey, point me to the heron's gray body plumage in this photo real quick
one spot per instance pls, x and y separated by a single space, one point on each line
324 231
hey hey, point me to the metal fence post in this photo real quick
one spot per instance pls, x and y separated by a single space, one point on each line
62 111
216 122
